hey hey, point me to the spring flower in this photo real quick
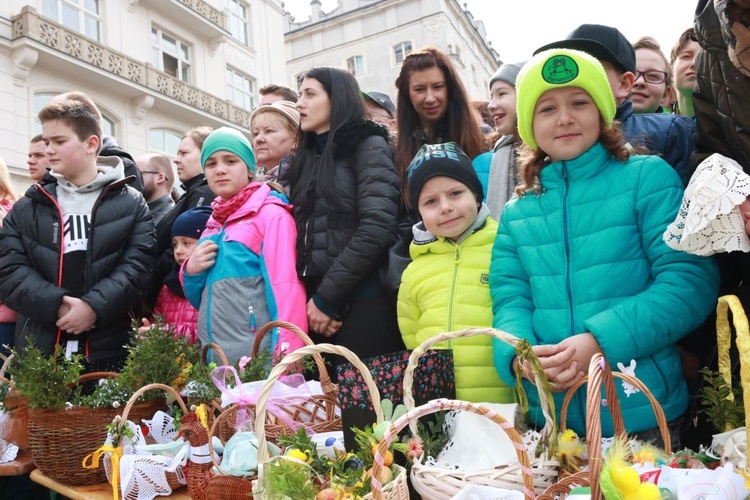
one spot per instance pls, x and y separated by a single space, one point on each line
244 360
415 448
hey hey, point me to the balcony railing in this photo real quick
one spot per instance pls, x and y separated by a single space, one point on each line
28 24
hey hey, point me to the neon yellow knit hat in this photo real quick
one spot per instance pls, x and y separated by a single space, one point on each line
557 68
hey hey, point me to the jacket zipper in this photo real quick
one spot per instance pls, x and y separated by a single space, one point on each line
456 260
304 269
566 237
568 286
61 235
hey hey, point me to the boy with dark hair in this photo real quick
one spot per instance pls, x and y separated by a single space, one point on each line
668 136
79 250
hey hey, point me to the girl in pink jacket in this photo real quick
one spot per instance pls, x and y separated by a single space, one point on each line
242 273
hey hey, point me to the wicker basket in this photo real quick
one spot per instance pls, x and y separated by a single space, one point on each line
397 489
132 407
440 483
60 438
600 372
320 412
439 489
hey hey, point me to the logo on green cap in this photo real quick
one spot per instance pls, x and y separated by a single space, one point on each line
559 69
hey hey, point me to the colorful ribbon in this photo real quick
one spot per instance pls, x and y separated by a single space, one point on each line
94 458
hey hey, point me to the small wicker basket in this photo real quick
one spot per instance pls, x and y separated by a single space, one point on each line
397 489
172 477
600 373
320 412
440 483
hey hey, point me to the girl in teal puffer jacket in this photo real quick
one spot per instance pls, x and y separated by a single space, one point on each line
579 265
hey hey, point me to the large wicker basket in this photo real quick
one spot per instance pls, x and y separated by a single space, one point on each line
436 405
600 373
397 489
320 412
60 438
440 483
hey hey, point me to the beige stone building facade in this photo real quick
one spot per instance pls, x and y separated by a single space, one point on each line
372 37
156 68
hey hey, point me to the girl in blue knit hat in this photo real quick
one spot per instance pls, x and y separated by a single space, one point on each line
242 273
579 265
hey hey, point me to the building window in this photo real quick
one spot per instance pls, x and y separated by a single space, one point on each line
400 51
164 141
356 65
237 21
170 54
240 90
81 16
42 98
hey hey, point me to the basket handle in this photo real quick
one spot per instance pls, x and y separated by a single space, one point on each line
280 369
724 340
326 385
219 353
435 406
545 397
599 371
134 398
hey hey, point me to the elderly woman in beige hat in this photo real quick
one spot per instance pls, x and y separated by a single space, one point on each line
274 127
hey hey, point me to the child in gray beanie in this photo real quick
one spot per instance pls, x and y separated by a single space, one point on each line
501 178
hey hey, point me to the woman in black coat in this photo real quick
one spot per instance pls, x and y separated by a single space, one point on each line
345 192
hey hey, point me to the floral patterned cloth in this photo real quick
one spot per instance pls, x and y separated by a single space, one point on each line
433 379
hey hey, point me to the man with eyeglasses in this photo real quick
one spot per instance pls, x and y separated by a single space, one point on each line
158 178
669 136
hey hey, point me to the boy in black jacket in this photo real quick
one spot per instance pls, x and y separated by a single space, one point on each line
78 250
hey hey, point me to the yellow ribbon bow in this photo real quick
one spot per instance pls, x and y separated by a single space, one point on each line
94 459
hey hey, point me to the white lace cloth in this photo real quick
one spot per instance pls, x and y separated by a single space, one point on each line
709 220
8 451
143 468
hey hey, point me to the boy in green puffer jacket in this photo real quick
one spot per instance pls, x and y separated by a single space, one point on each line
445 288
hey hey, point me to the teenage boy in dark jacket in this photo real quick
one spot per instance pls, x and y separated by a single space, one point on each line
668 136
78 250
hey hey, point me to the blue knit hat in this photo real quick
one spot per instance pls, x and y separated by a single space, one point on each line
228 139
191 223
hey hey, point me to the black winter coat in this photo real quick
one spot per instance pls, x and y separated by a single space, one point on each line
341 242
721 96
120 260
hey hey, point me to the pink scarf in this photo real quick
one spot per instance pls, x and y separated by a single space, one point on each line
223 209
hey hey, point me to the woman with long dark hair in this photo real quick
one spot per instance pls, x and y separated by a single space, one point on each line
345 193
433 108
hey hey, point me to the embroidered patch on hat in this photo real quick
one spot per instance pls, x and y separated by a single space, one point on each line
559 69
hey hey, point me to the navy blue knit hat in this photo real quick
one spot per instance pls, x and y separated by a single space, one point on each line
434 160
191 223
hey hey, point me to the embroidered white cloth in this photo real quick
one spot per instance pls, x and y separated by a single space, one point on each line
709 220
477 443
